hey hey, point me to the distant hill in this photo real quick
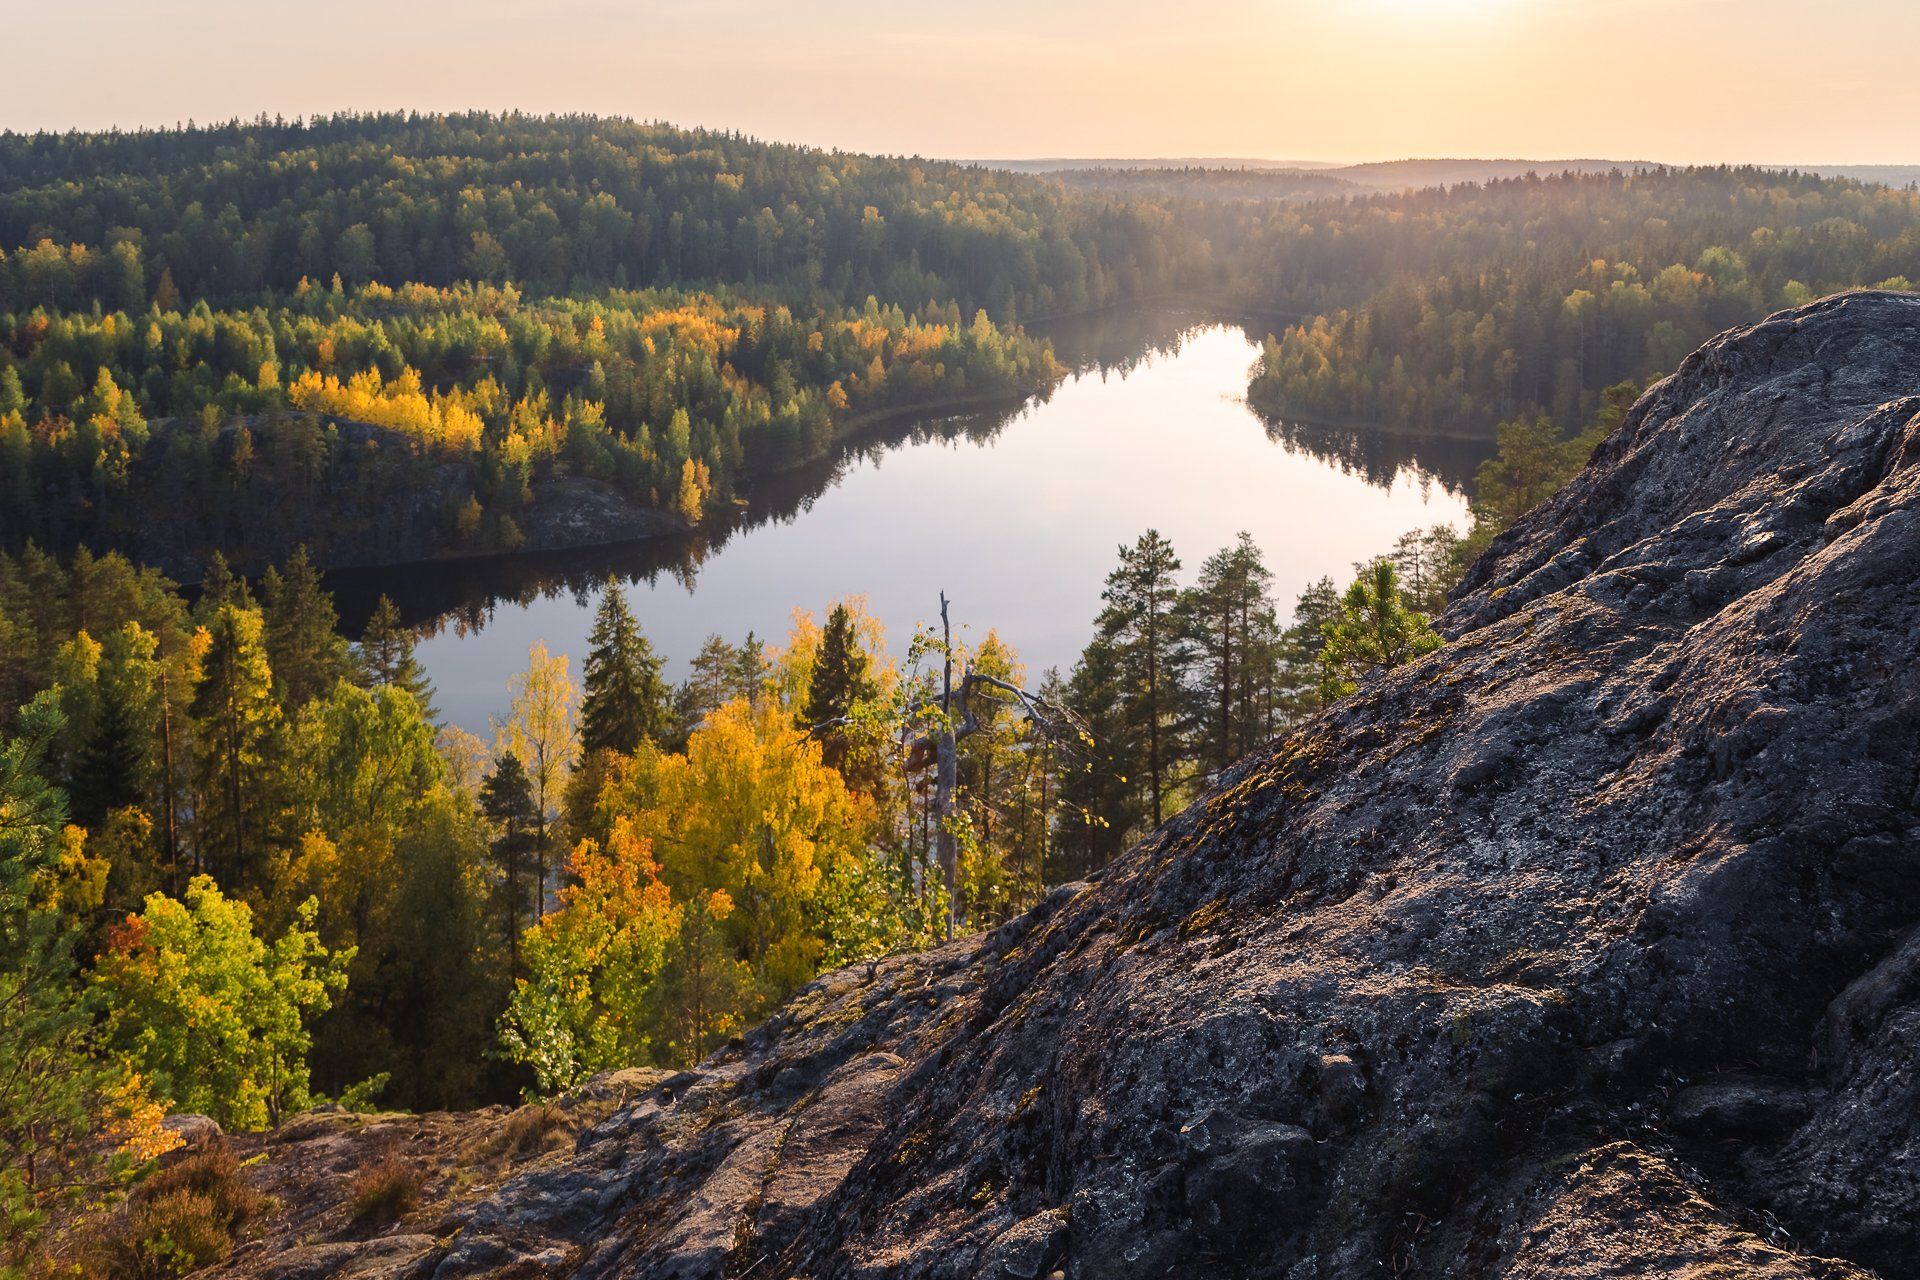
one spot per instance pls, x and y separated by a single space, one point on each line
1068 164
1398 175
1201 182
1290 180
1892 175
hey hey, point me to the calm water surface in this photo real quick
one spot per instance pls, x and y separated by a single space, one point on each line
1016 515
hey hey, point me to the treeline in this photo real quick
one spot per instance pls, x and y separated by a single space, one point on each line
1454 309
394 336
555 204
1186 676
407 422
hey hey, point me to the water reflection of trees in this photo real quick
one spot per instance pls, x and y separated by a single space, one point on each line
1382 457
462 595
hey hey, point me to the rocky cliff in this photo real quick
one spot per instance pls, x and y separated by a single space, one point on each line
1584 946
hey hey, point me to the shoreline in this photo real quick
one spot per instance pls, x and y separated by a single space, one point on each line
639 524
858 429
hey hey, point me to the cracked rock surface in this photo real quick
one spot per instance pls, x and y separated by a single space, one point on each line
1584 946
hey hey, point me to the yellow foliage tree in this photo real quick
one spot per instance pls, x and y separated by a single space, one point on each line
751 810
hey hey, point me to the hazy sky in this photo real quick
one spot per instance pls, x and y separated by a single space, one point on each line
1679 80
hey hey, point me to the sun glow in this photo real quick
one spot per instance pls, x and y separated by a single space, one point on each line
1439 10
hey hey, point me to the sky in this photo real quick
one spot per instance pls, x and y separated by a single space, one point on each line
1682 81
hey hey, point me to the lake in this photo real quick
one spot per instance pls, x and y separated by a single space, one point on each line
1018 515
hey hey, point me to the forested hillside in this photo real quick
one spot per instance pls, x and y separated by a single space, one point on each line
556 204
205 323
393 337
1452 310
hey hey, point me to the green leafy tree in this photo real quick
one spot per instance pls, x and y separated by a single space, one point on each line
588 1001
217 1019
52 1082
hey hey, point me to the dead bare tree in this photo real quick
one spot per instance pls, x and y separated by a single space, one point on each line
936 739
933 727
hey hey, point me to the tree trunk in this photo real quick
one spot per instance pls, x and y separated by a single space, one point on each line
946 779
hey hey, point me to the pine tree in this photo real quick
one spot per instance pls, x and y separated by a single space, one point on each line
1227 622
750 669
710 684
385 657
1375 630
507 801
625 702
1137 624
303 643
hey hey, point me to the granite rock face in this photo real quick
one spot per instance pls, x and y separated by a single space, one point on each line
1584 946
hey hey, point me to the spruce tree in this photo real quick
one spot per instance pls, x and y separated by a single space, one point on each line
107 771
238 727
385 657
303 643
219 586
840 671
1100 795
1297 678
625 701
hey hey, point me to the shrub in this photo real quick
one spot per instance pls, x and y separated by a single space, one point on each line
527 1129
180 1219
385 1192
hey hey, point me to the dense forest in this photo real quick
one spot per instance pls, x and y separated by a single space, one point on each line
1455 309
393 337
387 337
